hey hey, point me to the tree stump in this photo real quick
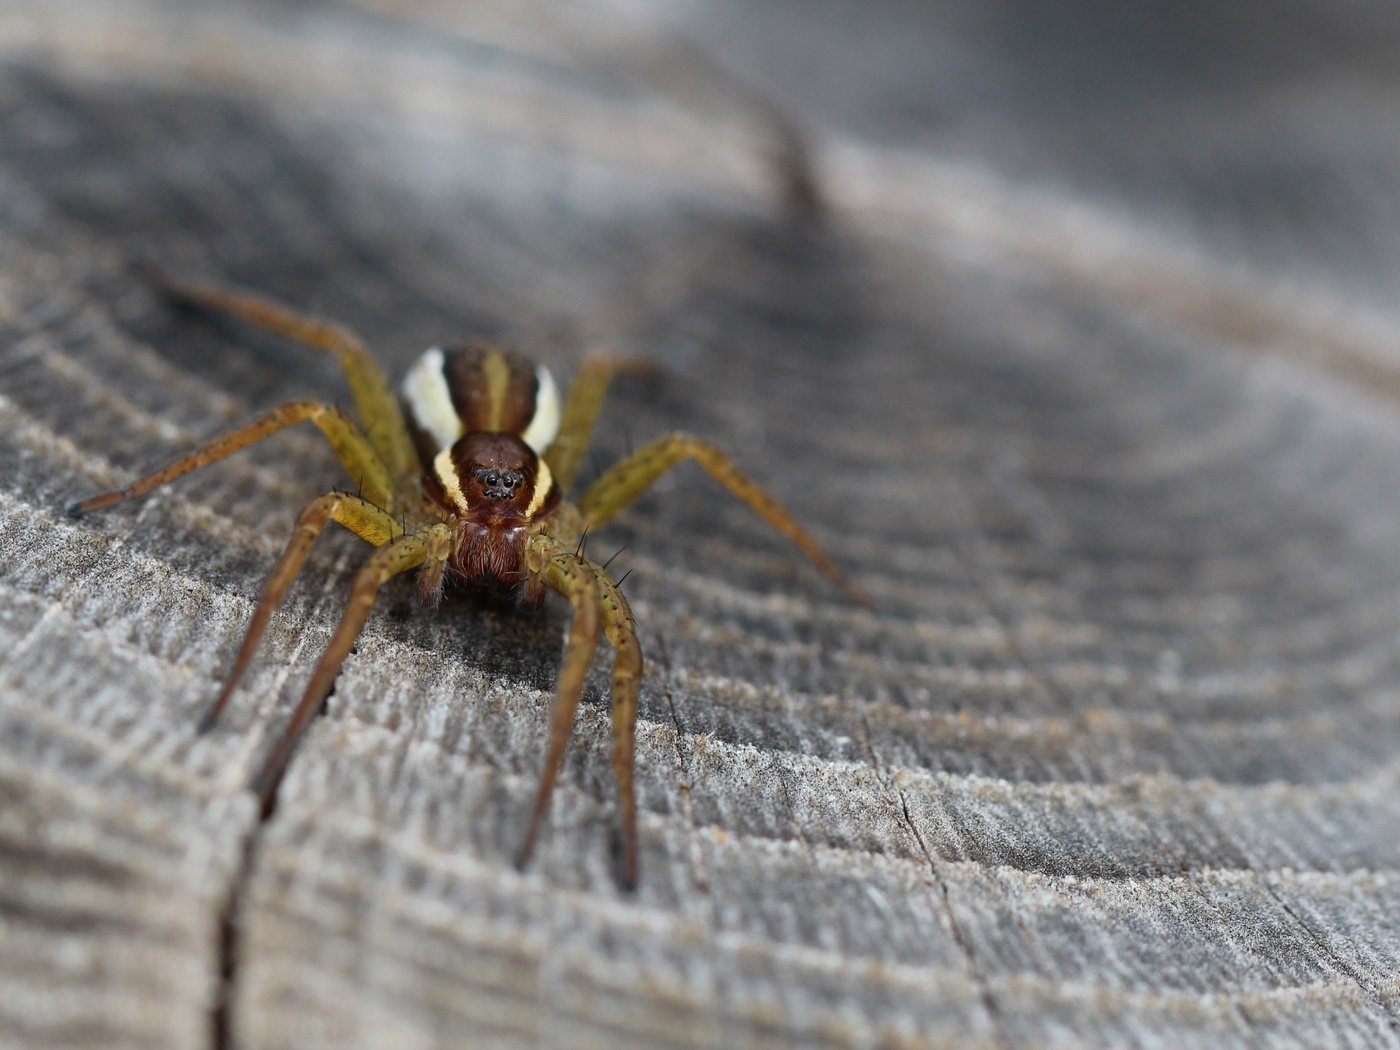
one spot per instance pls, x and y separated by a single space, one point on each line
1071 336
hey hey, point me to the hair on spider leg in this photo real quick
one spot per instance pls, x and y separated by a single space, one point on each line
614 556
582 542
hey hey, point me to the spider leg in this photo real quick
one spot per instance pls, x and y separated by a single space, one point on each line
582 404
397 556
626 676
630 477
358 515
375 402
570 576
361 462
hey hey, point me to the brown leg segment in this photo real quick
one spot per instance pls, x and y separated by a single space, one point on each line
570 575
361 462
629 478
358 515
626 677
375 402
397 556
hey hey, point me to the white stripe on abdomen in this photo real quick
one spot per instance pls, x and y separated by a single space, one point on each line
426 394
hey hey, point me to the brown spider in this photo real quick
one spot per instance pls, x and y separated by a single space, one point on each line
465 482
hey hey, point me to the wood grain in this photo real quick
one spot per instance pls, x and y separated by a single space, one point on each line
1085 374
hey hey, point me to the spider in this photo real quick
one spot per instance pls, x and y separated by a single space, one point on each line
462 477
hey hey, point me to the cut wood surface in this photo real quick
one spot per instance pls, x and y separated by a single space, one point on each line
1072 335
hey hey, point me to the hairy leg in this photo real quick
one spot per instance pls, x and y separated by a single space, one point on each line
582 404
570 575
360 461
632 476
358 515
626 677
375 402
397 556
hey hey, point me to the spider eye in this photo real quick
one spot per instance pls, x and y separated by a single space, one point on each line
499 484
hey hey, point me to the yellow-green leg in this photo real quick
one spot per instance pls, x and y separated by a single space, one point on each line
626 678
361 462
358 515
625 481
397 556
582 403
375 402
571 576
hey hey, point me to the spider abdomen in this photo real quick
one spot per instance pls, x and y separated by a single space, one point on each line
450 393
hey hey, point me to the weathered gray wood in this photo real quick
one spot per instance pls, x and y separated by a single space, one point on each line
1078 391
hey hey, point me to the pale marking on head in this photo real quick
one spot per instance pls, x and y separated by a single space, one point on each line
446 472
429 400
544 481
545 423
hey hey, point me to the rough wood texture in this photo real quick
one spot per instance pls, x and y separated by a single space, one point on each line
1089 375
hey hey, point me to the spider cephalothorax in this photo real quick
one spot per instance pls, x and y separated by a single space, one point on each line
491 487
464 480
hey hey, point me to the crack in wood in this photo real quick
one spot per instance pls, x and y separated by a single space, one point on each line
1353 974
975 971
221 1024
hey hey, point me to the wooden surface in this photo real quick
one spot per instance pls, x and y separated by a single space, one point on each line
1087 371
